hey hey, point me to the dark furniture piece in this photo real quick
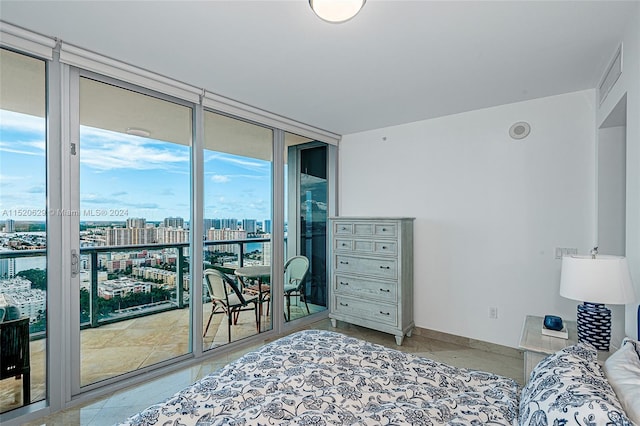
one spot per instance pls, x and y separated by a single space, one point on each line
225 295
14 354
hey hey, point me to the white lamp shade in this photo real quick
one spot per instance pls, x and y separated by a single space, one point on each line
336 10
603 279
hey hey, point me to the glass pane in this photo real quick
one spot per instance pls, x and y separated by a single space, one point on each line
306 188
237 224
23 208
134 230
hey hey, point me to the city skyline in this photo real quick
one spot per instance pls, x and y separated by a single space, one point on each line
125 176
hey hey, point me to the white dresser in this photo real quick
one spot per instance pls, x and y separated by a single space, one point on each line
372 273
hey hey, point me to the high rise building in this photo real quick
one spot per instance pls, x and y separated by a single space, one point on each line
174 222
172 235
10 225
136 222
226 234
208 224
118 236
266 251
7 268
267 226
228 224
249 225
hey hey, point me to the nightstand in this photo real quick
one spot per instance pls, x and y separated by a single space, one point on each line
537 346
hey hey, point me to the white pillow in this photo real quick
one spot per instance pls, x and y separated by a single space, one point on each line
622 369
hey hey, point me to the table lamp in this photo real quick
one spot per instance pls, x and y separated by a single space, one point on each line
596 280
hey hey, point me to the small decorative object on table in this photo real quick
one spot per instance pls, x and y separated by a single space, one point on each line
554 327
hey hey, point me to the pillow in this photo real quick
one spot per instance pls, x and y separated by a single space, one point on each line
622 369
569 388
8 309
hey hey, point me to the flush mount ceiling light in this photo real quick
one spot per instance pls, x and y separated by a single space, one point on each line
336 11
135 131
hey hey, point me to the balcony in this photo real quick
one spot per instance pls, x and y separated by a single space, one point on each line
132 338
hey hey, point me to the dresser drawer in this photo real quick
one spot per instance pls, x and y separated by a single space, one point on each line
385 230
389 248
364 309
342 228
384 268
385 247
385 291
343 244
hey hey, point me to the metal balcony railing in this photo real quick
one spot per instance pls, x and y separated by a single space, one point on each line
182 266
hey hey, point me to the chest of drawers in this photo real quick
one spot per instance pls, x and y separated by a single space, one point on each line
372 273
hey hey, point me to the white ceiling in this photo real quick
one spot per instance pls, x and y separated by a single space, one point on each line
396 62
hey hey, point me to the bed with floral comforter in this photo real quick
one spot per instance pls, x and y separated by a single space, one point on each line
318 377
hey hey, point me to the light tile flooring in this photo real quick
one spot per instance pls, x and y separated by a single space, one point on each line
119 405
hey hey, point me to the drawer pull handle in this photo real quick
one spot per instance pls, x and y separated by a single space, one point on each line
342 262
344 283
385 290
385 313
384 247
344 228
344 244
344 304
385 267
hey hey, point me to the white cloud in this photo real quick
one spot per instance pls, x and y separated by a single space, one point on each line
15 121
244 162
104 150
22 147
220 179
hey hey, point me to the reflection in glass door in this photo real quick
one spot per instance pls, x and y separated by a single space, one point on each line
313 222
307 195
23 230
134 230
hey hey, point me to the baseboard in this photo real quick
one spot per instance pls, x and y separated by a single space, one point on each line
469 342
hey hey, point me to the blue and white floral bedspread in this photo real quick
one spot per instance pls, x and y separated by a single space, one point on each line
324 378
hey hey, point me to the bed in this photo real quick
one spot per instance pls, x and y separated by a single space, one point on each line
319 377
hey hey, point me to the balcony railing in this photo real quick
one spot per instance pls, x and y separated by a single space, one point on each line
182 267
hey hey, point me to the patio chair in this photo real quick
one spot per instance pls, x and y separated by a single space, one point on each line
295 271
225 296
14 354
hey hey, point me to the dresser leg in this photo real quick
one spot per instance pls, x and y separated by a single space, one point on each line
410 332
334 323
399 340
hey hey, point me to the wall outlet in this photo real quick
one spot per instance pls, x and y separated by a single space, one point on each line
493 313
563 251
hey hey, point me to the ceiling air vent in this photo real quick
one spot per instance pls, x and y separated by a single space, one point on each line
611 75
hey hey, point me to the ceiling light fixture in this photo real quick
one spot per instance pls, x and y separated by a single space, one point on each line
336 11
138 132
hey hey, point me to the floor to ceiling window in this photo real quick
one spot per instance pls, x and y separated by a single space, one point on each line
101 183
23 229
134 215
237 228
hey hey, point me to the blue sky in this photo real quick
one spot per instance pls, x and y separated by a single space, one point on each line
129 176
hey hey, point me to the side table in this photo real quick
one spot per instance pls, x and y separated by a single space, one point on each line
537 346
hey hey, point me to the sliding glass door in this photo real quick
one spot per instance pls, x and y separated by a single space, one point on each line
134 233
101 183
23 230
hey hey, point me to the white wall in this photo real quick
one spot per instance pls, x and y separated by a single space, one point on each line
612 173
489 209
629 84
